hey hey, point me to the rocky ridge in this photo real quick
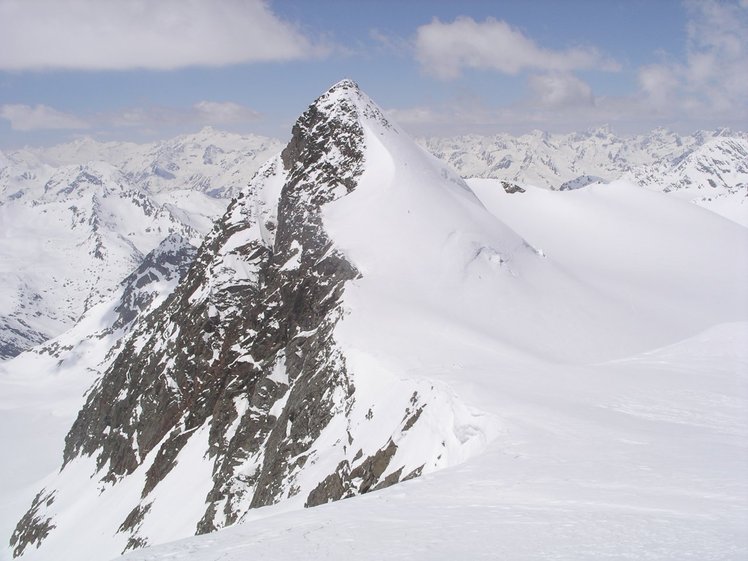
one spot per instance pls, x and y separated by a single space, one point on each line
239 370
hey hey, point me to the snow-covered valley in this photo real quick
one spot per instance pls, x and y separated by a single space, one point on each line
483 368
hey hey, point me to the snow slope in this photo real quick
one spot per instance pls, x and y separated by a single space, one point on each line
642 458
586 351
709 168
42 390
655 269
674 264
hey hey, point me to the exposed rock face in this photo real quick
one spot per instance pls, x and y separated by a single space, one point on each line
511 188
244 351
580 182
167 263
33 527
18 335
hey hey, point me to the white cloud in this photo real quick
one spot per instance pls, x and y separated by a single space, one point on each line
39 117
445 49
704 86
42 117
658 83
712 78
201 113
560 89
153 34
225 112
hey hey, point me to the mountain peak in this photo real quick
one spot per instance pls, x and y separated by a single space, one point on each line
327 142
346 101
241 361
343 85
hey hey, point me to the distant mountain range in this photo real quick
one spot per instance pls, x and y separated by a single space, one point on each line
709 168
78 218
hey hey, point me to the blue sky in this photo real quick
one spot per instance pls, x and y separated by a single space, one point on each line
145 69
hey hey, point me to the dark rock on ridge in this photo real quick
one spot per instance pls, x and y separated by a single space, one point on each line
244 346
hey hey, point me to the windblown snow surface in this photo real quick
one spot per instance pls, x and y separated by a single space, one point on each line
602 334
617 436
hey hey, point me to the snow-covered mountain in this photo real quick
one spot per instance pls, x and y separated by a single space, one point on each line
636 459
237 387
709 168
214 162
53 377
76 218
67 247
713 175
361 317
191 178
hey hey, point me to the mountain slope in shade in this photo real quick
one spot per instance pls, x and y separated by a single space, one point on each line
676 264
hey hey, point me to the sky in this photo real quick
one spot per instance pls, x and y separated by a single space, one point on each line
147 69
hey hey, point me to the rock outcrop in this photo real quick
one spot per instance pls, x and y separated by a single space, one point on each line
236 385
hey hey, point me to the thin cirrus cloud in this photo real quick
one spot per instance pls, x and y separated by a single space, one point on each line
201 113
145 34
26 118
39 117
446 49
560 89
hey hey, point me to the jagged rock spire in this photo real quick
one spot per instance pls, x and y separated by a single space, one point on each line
239 370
